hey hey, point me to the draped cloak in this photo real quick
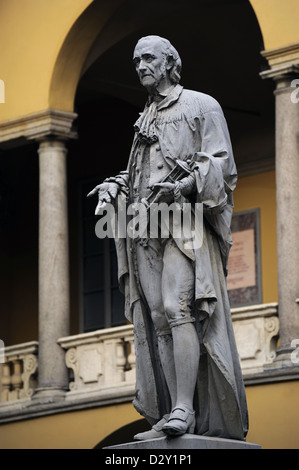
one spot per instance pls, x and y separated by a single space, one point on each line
189 125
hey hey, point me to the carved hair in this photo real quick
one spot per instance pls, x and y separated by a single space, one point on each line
170 52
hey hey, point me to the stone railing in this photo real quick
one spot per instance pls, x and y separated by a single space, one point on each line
102 363
256 331
18 372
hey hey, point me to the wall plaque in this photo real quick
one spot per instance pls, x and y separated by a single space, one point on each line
244 263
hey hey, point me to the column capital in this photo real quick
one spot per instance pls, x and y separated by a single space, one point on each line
283 65
282 75
40 125
48 143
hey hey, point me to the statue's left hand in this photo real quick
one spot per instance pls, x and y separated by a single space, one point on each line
167 191
166 187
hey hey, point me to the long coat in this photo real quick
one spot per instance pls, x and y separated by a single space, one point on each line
189 125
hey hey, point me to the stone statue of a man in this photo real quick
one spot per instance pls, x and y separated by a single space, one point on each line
188 376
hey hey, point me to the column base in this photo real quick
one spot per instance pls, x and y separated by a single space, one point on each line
48 394
187 441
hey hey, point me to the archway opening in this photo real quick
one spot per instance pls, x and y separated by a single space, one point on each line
124 434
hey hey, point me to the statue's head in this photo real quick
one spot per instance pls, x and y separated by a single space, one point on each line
157 63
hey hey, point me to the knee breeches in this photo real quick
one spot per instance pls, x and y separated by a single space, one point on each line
166 277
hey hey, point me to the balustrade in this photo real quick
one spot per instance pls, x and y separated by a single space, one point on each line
256 330
18 373
102 363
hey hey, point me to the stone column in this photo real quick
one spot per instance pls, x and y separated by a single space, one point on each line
284 73
287 200
51 128
53 269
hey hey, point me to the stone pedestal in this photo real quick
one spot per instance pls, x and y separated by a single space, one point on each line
187 441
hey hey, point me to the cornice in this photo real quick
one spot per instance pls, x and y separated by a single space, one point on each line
281 71
49 122
282 54
283 61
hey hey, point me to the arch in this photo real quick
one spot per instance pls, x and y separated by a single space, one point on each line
124 434
74 50
33 36
99 27
220 44
104 25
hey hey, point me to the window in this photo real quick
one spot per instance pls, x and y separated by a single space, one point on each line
102 304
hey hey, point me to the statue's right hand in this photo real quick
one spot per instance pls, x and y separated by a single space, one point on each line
107 192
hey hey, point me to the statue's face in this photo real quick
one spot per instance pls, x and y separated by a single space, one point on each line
151 64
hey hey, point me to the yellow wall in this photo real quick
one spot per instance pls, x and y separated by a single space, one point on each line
259 191
273 423
73 430
274 415
46 43
278 20
31 38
